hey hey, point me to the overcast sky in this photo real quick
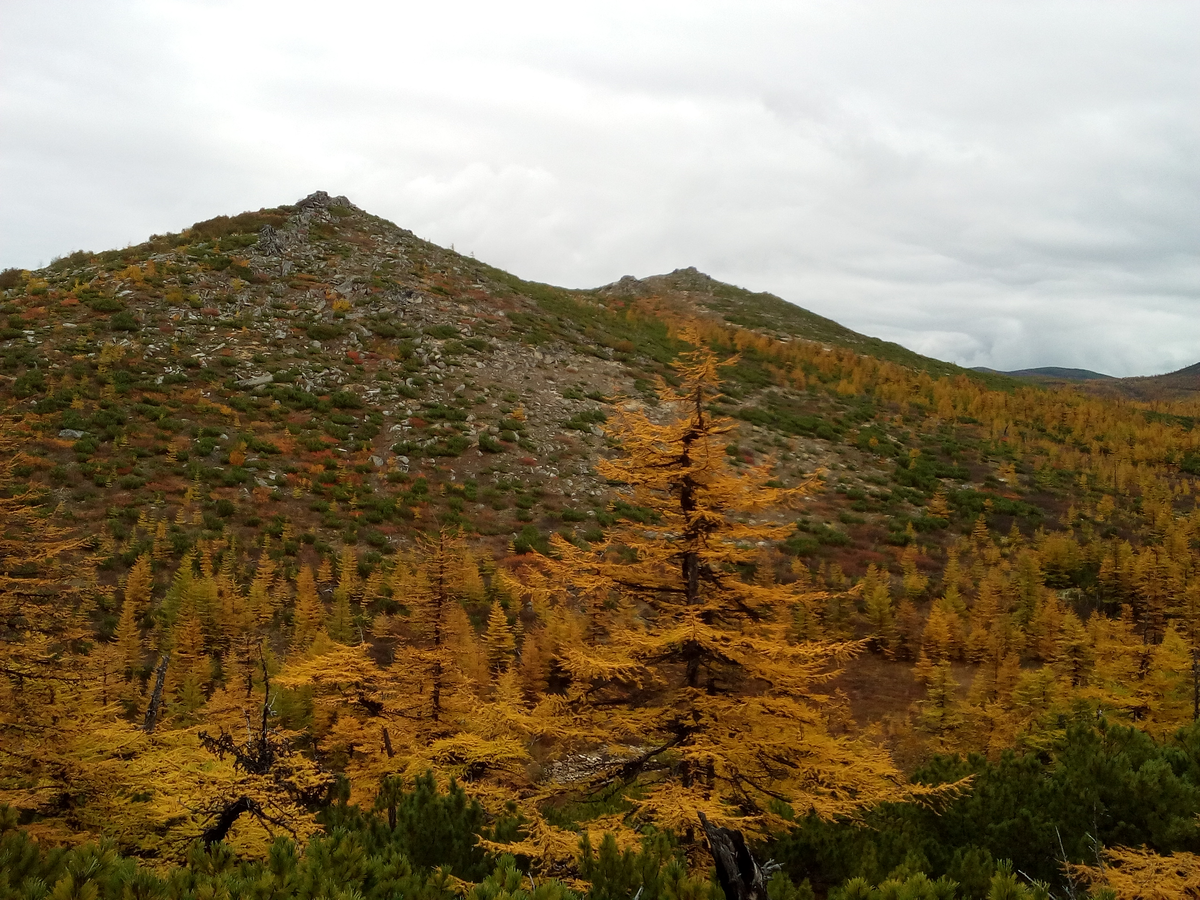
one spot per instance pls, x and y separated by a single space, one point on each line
1006 184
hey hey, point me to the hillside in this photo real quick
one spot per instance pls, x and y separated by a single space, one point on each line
1181 384
241 462
222 339
767 314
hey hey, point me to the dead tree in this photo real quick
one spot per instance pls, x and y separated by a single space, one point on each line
156 696
269 756
741 877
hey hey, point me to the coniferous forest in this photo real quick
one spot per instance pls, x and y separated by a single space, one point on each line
337 564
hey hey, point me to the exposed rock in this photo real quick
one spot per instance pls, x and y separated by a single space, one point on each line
315 200
269 243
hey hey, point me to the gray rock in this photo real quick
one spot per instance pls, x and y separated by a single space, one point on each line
268 242
70 434
315 200
256 381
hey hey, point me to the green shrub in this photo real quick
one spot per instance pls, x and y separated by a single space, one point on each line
124 321
454 445
106 305
318 331
442 332
585 419
530 540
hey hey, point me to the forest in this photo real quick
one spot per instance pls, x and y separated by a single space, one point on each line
910 633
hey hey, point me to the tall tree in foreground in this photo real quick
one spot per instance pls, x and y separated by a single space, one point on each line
683 667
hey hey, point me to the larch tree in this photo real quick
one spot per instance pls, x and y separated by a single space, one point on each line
128 637
430 708
138 585
880 612
1141 874
501 642
190 662
44 637
341 622
687 680
309 613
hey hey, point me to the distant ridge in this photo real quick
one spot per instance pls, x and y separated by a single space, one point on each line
769 314
1183 382
1172 384
1051 373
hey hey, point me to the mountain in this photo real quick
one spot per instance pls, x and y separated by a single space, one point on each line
265 353
1179 385
768 314
1050 373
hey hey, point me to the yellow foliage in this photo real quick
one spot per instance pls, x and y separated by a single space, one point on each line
1141 874
685 662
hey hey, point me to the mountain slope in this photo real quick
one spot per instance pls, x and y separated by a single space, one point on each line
278 365
285 362
768 314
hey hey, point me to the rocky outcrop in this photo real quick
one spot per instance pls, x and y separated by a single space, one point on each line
269 243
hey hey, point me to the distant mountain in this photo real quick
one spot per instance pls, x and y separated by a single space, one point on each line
1172 385
1050 373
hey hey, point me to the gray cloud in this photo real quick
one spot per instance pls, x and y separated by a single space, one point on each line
998 184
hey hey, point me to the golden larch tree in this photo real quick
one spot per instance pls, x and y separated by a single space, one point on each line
687 679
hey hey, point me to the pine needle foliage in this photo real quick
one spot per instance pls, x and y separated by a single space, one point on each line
1142 874
683 668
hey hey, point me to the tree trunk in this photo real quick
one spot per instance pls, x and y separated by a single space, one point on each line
229 814
156 696
740 876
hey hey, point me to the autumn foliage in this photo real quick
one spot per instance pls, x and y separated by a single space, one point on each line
678 664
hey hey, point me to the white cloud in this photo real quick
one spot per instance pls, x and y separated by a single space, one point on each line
998 184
